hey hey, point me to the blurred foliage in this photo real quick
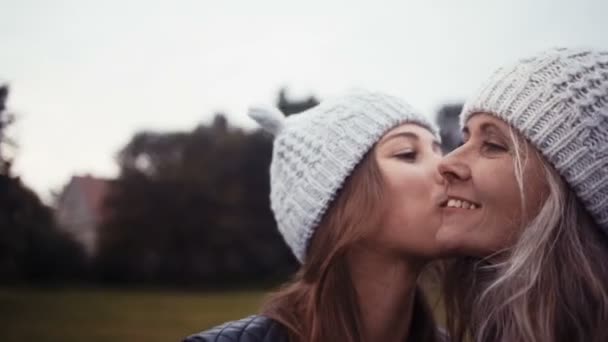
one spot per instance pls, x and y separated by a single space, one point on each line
193 208
6 119
32 249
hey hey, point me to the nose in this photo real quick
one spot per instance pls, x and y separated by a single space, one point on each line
453 168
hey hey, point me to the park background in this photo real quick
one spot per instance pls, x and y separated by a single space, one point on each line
133 187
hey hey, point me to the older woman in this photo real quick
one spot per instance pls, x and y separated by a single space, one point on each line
528 204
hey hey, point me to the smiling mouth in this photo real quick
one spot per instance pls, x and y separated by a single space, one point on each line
460 203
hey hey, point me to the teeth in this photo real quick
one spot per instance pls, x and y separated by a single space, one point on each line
456 203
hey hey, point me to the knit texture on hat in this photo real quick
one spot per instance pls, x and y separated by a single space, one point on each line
558 100
316 150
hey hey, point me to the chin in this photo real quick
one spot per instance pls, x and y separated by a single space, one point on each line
450 242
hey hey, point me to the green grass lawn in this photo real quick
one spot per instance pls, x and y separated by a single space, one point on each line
116 315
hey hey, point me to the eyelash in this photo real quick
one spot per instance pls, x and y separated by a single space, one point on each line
495 147
409 156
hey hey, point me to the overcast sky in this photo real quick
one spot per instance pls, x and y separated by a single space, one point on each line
86 75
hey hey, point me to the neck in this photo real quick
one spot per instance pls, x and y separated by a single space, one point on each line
386 287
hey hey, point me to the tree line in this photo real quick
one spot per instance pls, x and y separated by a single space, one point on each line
189 208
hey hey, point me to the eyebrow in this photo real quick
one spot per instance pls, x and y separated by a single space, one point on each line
408 135
490 128
485 128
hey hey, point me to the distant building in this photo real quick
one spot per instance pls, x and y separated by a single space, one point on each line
447 119
80 209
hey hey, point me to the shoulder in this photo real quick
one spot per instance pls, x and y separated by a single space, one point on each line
254 328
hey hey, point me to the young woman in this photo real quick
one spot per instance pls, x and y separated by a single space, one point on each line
356 194
528 204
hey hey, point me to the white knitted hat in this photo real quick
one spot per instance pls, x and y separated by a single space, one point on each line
316 150
558 100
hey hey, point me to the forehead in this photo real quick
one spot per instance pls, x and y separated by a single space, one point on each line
420 131
485 121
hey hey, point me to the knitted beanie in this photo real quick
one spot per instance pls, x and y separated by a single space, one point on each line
316 150
558 100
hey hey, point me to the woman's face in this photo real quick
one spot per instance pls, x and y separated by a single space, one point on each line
484 211
408 157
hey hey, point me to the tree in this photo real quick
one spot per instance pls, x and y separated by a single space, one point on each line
31 247
193 208
6 119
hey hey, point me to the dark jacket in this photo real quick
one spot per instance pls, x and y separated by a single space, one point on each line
254 328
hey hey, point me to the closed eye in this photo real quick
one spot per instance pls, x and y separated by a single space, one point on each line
493 147
407 156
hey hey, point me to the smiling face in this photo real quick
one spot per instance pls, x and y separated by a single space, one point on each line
408 157
485 209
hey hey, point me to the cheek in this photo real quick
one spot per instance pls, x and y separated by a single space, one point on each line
497 188
411 213
507 214
505 205
408 195
495 180
501 216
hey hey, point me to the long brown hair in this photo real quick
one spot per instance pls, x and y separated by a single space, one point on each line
320 303
551 285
